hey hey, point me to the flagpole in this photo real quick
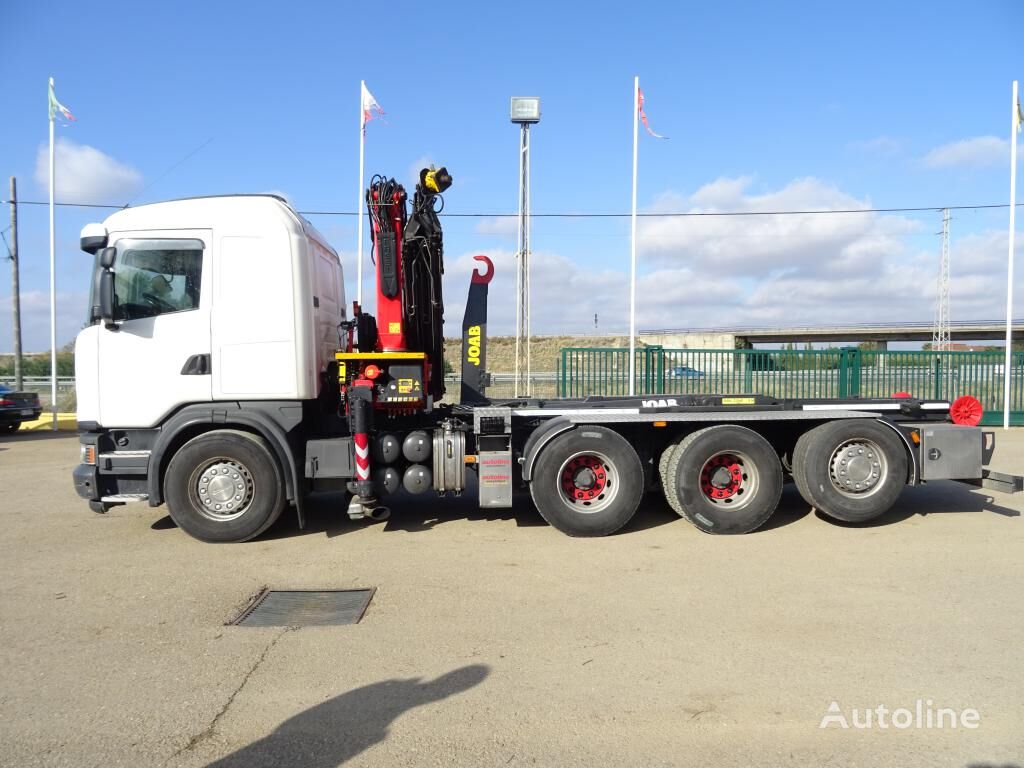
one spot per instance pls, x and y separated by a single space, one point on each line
53 287
359 240
632 248
1008 367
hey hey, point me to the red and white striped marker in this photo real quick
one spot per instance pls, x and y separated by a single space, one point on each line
362 456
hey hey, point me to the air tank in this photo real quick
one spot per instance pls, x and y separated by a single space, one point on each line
416 447
417 479
386 480
386 449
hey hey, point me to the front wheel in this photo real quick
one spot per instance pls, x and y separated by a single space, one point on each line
588 482
852 470
224 486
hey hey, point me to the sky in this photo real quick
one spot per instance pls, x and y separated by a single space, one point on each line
768 106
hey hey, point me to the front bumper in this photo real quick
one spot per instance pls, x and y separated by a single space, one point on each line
85 477
11 415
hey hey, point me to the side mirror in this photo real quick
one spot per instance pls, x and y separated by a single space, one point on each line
107 257
94 237
106 298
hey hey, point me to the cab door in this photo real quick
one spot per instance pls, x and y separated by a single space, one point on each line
157 357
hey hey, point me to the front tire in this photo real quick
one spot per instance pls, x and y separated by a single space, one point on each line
588 482
725 479
224 486
851 470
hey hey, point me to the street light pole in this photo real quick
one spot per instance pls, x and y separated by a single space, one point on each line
524 110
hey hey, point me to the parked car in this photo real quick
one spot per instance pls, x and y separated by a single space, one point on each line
16 407
685 372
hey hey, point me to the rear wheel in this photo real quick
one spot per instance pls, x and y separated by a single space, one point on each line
11 426
724 479
664 464
852 470
587 482
224 486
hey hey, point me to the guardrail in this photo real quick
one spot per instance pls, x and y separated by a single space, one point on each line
41 386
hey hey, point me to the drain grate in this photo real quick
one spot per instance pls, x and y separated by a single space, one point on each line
305 608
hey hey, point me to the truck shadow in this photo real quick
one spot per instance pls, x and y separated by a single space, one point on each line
326 514
936 498
339 729
792 508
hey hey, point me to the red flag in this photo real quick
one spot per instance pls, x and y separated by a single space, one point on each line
643 116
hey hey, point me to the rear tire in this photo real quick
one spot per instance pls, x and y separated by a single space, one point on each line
667 488
224 486
851 470
13 426
725 479
587 482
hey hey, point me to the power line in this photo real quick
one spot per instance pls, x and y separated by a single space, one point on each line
66 205
651 214
166 173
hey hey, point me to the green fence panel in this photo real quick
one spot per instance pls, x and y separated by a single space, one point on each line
806 374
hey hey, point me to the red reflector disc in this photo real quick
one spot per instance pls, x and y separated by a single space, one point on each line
966 410
901 394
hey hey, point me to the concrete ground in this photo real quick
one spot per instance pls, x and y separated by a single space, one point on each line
495 640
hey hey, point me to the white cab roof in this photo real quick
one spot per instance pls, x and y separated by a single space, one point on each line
222 212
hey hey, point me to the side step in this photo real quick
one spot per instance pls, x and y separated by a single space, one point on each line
103 505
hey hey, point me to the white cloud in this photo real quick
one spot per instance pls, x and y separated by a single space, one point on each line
84 174
976 152
35 319
501 226
730 271
734 271
764 244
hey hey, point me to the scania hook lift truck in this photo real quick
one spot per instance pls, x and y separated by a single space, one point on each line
221 373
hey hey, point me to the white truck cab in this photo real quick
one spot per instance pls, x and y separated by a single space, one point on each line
214 299
213 324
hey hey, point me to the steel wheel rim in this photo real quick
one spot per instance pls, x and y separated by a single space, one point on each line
587 482
222 489
729 479
858 468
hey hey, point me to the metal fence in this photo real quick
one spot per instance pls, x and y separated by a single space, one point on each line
846 372
503 385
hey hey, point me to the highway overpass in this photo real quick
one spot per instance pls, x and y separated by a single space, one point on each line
746 336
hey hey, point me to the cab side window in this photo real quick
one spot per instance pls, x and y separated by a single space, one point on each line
156 277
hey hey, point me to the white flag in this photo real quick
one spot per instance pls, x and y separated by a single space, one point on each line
371 108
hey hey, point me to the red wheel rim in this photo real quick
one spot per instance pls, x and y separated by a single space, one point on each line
722 477
584 478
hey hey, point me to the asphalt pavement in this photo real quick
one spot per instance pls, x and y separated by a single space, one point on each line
495 640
